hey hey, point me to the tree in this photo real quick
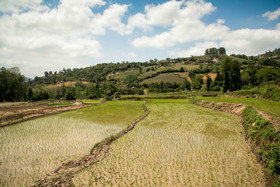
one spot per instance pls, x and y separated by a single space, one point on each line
207 52
70 93
197 82
140 70
182 69
208 83
222 51
231 75
46 73
12 85
186 85
30 94
63 90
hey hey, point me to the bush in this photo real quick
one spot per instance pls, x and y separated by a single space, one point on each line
266 139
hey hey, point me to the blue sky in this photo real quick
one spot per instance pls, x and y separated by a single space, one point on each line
48 35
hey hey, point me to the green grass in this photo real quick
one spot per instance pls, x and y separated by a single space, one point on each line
159 95
270 107
113 112
92 101
60 104
122 75
178 144
31 149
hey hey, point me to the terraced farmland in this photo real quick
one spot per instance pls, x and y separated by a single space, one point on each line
178 144
34 148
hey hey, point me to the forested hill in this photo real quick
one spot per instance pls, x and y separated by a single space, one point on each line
105 72
214 71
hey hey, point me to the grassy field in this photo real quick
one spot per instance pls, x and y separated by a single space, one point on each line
270 107
92 101
165 77
178 144
34 148
122 75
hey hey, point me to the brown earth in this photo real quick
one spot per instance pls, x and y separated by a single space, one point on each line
63 175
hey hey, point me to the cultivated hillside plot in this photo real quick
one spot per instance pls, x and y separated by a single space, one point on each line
178 144
30 150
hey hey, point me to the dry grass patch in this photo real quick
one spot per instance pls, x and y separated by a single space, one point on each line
71 83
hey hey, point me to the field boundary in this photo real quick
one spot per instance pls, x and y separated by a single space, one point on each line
147 98
28 115
62 176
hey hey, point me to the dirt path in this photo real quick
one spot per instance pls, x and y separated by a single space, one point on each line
63 175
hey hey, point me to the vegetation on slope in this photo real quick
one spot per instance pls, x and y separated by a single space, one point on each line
267 141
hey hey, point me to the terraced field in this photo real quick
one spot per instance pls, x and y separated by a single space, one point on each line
30 150
270 107
178 144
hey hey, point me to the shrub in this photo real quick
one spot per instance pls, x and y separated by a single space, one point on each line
265 137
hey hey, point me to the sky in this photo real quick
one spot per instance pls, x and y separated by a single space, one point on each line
49 35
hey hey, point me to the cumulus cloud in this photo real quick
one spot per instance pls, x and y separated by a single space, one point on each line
198 49
186 26
272 15
62 36
131 56
251 41
21 5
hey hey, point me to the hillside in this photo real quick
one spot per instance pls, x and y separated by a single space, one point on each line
210 72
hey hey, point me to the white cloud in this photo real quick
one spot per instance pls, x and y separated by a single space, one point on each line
198 49
131 56
187 27
111 18
160 15
251 41
272 15
21 5
61 37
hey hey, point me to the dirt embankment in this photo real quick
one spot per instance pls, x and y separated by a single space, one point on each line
63 175
18 113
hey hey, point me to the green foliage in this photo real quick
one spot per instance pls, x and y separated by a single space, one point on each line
265 137
208 83
231 75
12 85
186 85
197 82
70 93
268 91
193 100
40 94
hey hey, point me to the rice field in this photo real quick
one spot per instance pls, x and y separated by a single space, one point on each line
32 149
178 144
